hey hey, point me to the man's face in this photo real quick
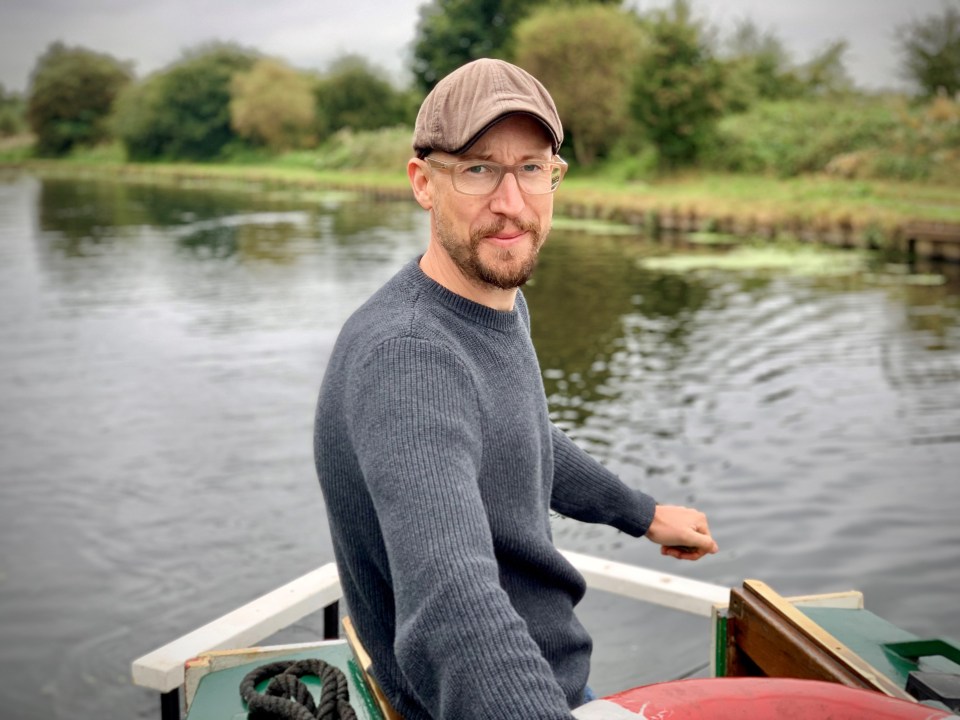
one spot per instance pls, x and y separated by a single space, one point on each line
495 239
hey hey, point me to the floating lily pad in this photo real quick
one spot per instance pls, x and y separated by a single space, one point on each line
793 260
594 227
709 238
921 279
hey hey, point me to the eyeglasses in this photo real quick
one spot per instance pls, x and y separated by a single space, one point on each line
480 177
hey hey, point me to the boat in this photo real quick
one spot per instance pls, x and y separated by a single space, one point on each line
772 657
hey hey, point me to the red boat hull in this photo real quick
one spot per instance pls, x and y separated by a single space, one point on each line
766 699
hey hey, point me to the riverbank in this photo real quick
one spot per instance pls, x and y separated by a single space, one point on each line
910 217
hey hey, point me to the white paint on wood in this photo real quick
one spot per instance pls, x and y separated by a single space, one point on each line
163 669
673 591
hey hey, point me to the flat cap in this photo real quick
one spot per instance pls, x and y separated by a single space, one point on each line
474 97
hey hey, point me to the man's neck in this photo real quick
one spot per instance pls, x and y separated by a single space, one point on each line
438 266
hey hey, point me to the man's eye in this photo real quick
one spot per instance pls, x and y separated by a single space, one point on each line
479 169
531 168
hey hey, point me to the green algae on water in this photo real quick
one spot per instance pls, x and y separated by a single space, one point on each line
803 261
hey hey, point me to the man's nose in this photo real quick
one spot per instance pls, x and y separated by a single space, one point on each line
507 198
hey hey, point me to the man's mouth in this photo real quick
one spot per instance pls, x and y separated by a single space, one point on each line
506 238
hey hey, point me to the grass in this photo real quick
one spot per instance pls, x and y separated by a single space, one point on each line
806 198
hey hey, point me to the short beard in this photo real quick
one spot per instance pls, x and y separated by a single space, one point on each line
503 274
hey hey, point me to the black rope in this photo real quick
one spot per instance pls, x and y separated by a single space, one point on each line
287 698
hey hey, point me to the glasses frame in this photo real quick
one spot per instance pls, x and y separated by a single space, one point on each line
451 166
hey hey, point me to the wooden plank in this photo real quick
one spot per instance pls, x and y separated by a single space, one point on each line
163 669
784 642
673 591
366 665
761 643
930 230
847 599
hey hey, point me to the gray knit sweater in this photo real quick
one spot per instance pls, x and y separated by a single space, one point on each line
439 465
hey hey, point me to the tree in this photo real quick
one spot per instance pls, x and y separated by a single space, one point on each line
13 113
825 73
757 67
183 112
70 97
138 119
678 86
453 32
272 104
931 52
354 95
585 56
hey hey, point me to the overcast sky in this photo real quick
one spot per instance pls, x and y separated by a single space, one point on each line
310 33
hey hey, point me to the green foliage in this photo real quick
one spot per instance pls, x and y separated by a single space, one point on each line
381 149
355 95
678 86
13 113
758 67
925 145
825 73
183 113
790 137
585 56
106 153
931 52
453 32
633 165
272 104
71 94
16 148
138 118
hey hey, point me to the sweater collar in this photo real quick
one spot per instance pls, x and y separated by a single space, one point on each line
502 320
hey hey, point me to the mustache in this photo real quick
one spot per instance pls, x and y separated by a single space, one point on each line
496 227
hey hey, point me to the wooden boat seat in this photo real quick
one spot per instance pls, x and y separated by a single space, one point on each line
365 663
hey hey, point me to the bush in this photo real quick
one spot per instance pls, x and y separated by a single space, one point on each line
678 89
853 137
13 113
272 104
924 146
355 95
787 138
585 57
183 113
385 149
71 95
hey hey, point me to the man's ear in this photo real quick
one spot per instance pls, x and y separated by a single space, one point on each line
420 182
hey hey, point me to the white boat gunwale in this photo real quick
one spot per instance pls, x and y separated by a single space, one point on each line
163 668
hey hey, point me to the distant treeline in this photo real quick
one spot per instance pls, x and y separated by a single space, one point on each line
638 92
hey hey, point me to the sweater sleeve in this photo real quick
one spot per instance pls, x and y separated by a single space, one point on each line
585 490
459 642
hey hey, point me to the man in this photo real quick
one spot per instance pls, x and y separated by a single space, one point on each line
433 445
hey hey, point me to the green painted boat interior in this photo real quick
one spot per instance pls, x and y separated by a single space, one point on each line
218 694
888 648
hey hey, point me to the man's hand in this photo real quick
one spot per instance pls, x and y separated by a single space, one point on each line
682 532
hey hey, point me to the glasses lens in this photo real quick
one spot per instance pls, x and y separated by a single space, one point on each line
475 178
537 178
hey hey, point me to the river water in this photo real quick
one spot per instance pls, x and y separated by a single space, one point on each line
160 352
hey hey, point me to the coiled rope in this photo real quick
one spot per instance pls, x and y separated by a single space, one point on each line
287 698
